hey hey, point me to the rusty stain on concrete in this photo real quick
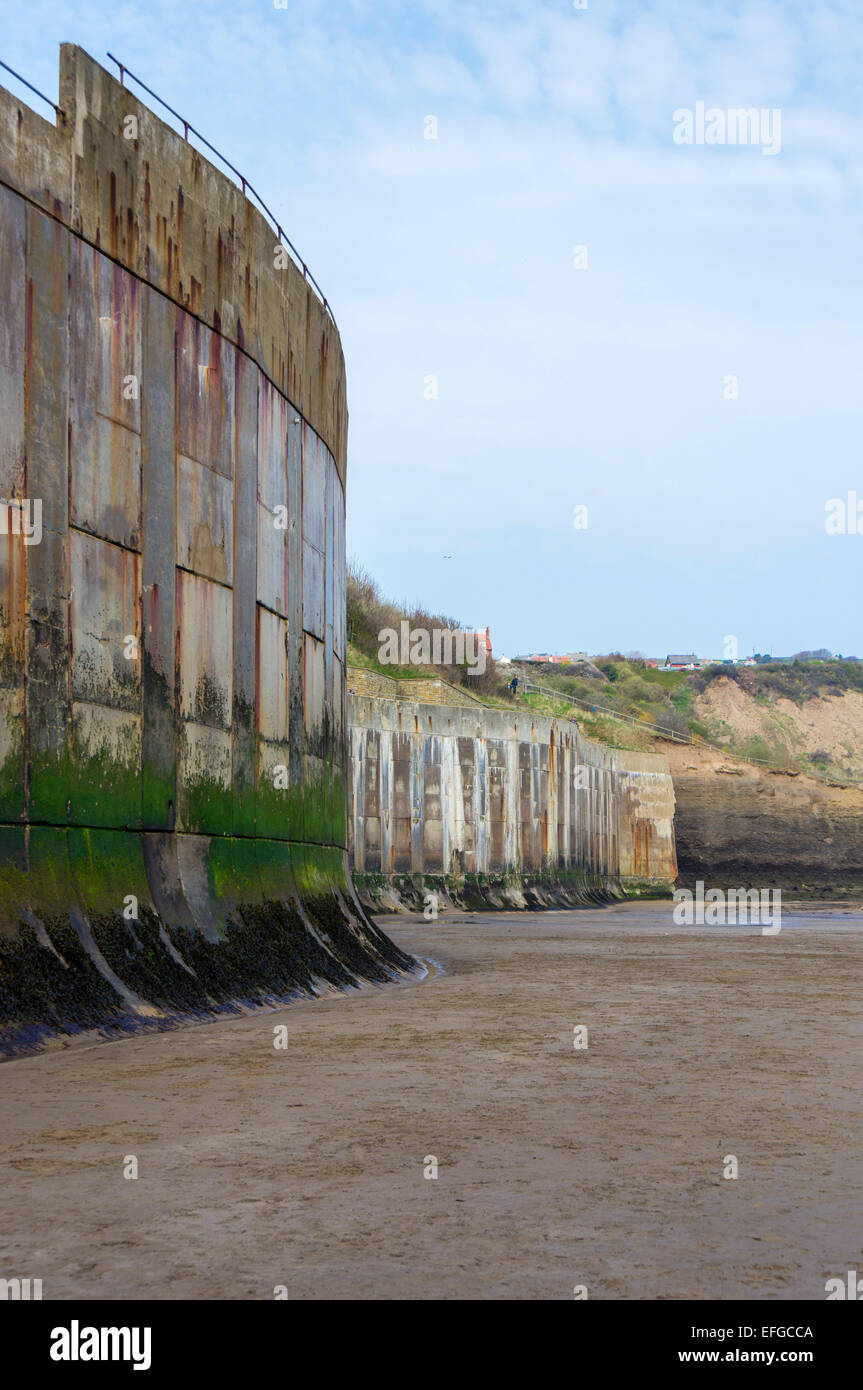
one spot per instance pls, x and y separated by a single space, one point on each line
481 804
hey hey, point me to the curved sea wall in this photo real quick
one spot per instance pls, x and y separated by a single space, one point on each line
172 633
488 809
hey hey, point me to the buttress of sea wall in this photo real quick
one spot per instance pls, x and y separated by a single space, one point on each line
486 808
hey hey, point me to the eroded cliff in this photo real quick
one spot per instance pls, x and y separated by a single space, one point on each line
740 824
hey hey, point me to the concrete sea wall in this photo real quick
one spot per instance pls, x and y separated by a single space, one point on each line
172 687
492 809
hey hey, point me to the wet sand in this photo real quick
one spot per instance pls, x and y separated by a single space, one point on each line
556 1166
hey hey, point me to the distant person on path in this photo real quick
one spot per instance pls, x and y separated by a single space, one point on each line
513 685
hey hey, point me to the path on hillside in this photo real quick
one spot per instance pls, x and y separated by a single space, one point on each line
557 1166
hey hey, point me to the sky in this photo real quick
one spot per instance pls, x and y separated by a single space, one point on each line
691 377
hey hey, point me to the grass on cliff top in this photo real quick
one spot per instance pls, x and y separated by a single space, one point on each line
614 733
616 685
356 657
619 688
791 680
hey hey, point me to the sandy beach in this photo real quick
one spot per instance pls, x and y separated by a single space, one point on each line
557 1166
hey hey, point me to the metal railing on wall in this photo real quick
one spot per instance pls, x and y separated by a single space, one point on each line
528 685
248 190
58 110
188 128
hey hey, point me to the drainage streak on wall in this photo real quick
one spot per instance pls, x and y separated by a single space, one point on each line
172 694
494 809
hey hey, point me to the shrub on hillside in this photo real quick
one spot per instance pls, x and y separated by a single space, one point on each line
369 614
791 680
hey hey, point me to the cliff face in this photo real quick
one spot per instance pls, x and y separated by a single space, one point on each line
739 825
823 734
